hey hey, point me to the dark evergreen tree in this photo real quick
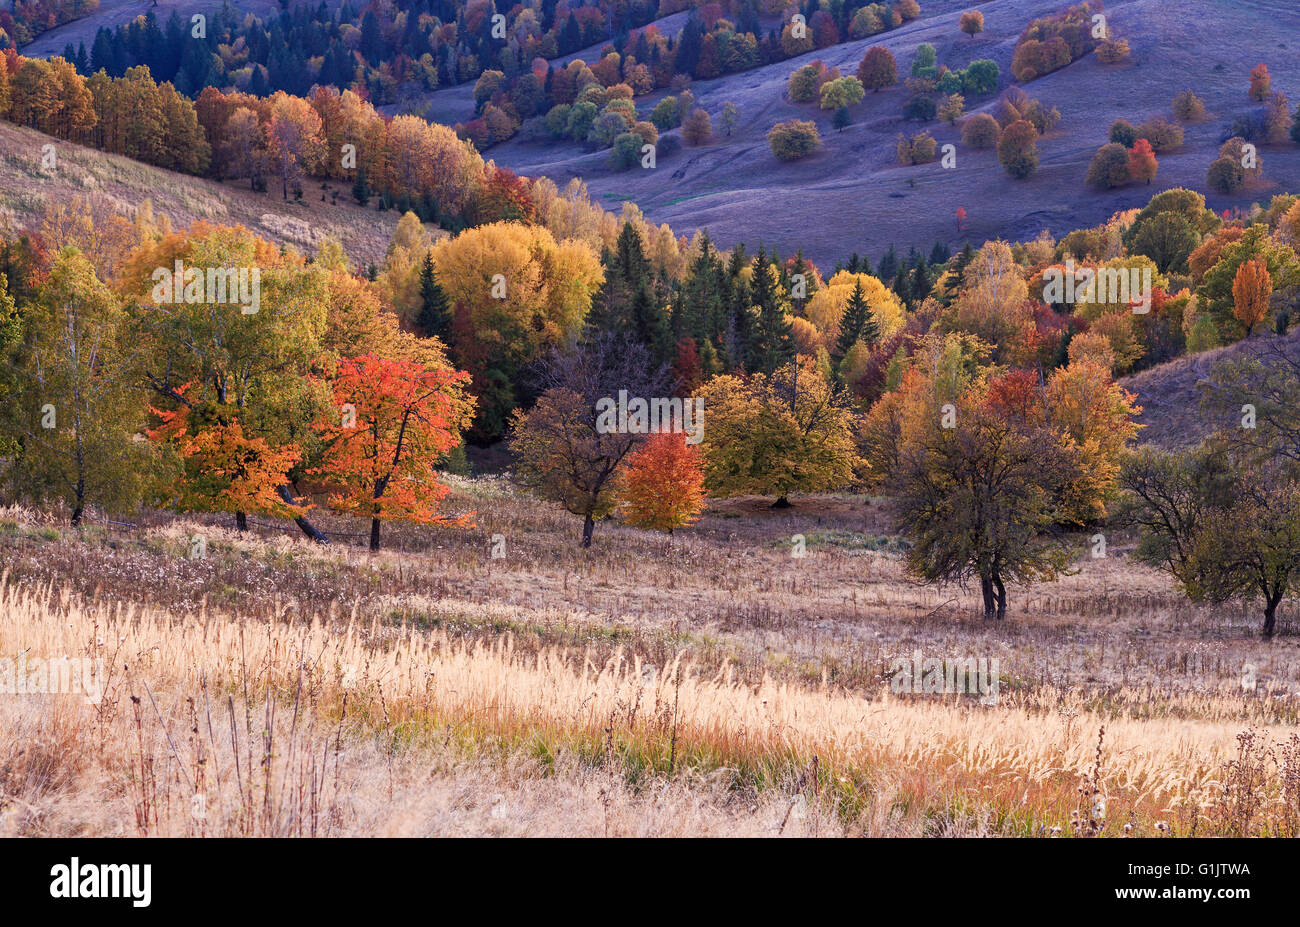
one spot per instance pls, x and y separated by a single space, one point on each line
775 345
857 323
434 317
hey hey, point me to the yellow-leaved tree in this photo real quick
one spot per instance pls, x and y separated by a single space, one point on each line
792 432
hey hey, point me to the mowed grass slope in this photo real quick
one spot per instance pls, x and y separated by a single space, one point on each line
123 184
853 197
708 681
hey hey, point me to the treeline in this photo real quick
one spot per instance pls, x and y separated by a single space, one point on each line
26 19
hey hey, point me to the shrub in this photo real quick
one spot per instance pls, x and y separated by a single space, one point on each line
1162 134
1225 175
1123 133
793 139
698 127
664 115
877 70
920 109
1109 167
1188 107
980 131
1112 51
1018 149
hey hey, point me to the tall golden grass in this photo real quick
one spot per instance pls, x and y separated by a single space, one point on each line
215 725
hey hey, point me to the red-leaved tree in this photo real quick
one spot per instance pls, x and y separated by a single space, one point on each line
662 485
395 419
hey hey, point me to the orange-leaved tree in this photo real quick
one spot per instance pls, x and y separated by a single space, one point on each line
395 419
662 485
225 469
1251 289
1142 163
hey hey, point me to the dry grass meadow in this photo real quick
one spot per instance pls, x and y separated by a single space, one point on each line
706 683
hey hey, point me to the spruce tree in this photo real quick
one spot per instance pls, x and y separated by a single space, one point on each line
434 317
857 323
775 345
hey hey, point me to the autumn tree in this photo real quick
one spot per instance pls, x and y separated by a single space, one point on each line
1109 167
563 451
1251 288
392 420
1260 82
75 414
972 23
294 140
1018 149
1142 163
515 292
698 127
878 70
661 486
231 337
793 139
774 436
980 130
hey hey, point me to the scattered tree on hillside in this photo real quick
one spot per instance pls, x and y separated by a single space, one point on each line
1018 149
972 23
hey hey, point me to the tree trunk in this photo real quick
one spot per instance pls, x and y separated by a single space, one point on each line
307 527
1270 615
986 590
76 513
374 534
588 526
1002 595
241 521
782 503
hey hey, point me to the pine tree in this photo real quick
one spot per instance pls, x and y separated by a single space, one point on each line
775 346
434 317
888 264
361 188
902 285
857 323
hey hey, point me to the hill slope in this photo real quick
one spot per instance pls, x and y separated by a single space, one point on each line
852 196
86 173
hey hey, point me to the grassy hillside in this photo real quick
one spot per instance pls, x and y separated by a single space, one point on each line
650 685
853 197
25 188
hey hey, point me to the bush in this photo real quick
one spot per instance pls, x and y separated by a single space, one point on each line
793 139
1112 51
1225 175
1018 149
1109 167
841 92
803 84
980 131
920 109
877 70
698 127
1123 133
1188 107
664 115
981 77
1162 134
626 151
